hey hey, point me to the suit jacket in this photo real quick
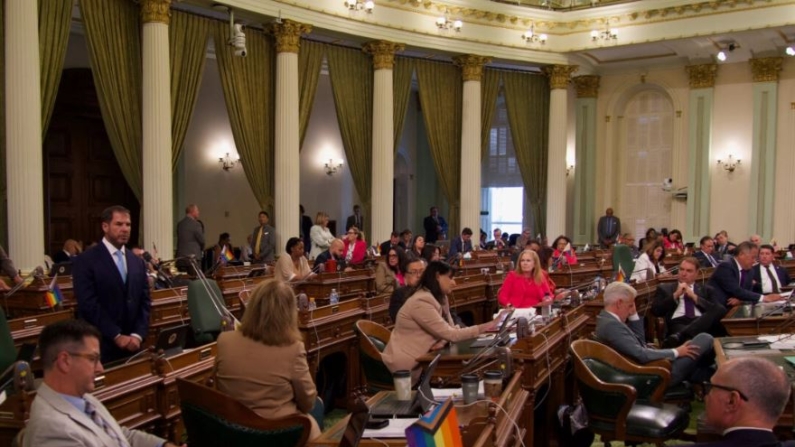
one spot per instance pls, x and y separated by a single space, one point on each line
419 325
725 280
273 381
431 233
359 251
324 257
703 259
190 237
104 300
744 438
7 265
321 240
664 305
385 279
602 229
55 422
267 243
783 276
306 227
628 339
352 222
457 246
61 256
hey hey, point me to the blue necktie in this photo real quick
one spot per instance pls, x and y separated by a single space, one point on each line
120 265
95 416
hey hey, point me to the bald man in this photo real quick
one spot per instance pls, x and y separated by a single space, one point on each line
334 252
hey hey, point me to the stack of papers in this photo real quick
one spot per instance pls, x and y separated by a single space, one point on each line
395 429
781 342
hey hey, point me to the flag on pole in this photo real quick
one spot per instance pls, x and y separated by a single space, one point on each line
54 296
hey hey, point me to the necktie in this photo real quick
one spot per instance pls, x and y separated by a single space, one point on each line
772 277
120 265
742 278
92 413
690 308
713 261
257 242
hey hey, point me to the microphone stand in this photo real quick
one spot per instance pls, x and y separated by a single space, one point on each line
36 273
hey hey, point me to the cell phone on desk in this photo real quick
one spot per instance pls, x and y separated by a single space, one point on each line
376 424
755 344
504 320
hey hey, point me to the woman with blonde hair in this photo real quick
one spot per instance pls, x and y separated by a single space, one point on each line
320 235
263 364
526 286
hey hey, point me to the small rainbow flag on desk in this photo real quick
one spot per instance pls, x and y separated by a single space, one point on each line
226 254
437 429
54 296
620 276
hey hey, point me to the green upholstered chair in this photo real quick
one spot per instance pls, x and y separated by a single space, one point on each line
624 401
372 340
205 315
212 419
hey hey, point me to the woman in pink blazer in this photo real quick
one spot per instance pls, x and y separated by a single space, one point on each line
354 248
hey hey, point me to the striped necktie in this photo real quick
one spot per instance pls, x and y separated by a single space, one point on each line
91 411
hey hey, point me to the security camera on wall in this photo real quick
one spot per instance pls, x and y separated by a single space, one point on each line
237 39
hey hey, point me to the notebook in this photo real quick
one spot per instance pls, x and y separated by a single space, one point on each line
421 401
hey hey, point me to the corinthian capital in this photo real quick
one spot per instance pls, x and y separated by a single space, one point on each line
288 35
383 53
471 66
157 11
559 75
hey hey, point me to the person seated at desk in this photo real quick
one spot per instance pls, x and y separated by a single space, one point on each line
424 322
705 254
525 286
768 277
745 399
431 253
71 248
460 245
292 266
8 269
394 241
389 275
417 246
334 252
64 412
673 243
561 255
263 364
650 263
733 279
413 272
354 247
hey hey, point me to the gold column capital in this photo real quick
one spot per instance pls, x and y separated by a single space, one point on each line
471 66
155 11
288 35
383 52
587 85
702 76
765 69
559 75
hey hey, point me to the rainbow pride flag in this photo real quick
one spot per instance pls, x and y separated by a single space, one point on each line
620 276
439 428
227 254
54 296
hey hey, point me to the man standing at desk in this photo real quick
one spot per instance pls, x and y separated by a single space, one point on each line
190 240
608 229
435 226
264 240
112 289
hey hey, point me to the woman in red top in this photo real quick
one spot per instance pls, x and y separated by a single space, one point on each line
673 243
354 248
525 286
560 245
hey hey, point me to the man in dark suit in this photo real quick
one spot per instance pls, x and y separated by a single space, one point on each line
413 273
745 399
190 240
686 306
460 245
393 242
608 228
768 277
356 219
732 281
723 248
706 254
306 227
435 226
334 252
111 288
263 240
620 327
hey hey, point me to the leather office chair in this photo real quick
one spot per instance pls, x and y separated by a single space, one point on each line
212 418
205 318
624 400
373 338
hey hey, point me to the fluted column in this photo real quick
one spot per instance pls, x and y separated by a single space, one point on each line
286 142
158 213
783 229
24 167
585 159
559 77
472 71
383 53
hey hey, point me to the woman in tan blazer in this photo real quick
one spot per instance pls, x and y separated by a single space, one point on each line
389 274
263 364
424 322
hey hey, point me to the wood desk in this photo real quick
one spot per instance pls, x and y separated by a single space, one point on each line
349 285
469 297
129 392
27 329
758 319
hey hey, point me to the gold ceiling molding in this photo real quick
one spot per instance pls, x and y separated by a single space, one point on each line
765 69
587 86
702 76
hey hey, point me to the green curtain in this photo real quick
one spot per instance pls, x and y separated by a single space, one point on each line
310 59
489 91
351 73
401 94
113 36
527 103
187 38
55 20
441 97
248 85
3 184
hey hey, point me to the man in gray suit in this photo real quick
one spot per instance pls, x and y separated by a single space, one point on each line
608 229
190 239
263 240
64 412
620 327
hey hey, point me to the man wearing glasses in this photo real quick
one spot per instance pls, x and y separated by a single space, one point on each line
744 399
64 412
414 271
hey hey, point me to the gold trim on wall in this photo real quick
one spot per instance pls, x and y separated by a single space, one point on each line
702 76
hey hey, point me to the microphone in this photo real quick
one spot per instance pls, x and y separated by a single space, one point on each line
36 273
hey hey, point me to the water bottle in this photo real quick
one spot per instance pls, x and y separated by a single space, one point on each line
312 304
334 298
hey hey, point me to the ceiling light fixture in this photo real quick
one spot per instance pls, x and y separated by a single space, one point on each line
722 55
531 37
444 23
606 34
359 5
790 51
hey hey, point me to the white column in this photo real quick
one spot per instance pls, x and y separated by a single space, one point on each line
158 222
559 76
24 168
585 159
472 71
286 141
381 202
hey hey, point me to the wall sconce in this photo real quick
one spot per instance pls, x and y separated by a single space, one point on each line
531 37
569 170
730 164
722 56
332 166
606 34
228 162
359 5
444 23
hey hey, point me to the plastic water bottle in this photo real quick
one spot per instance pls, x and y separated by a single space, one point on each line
334 298
312 304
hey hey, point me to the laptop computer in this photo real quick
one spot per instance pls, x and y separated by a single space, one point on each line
172 340
421 401
61 269
356 424
506 320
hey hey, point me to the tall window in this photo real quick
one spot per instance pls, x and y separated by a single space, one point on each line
647 157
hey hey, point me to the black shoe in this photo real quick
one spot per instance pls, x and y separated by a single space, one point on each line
673 341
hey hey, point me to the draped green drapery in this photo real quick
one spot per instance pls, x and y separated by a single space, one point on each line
489 91
527 103
187 38
3 180
351 73
441 97
249 93
310 59
113 36
55 20
401 94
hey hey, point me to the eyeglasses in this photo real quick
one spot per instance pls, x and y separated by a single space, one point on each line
91 357
415 272
709 385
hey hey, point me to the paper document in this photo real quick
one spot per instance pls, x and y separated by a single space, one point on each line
395 429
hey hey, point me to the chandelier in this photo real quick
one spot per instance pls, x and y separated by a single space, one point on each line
359 5
444 23
606 34
531 37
